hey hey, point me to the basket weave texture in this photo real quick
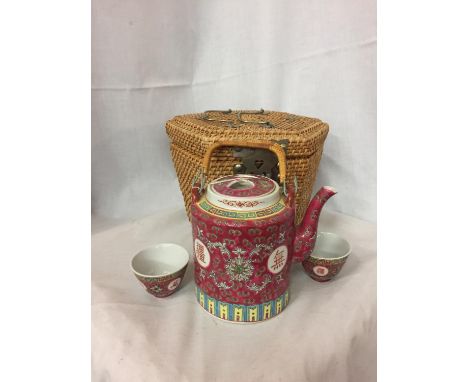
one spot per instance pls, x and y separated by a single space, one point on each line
192 134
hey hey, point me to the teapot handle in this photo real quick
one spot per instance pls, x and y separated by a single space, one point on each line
272 146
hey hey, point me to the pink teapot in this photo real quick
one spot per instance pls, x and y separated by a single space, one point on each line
245 239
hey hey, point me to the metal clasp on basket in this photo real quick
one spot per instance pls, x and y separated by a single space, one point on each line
205 116
261 111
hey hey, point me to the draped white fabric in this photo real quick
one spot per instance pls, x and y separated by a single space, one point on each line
326 334
153 59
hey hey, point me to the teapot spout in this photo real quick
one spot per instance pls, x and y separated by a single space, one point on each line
306 233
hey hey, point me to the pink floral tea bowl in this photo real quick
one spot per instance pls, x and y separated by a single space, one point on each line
328 257
161 268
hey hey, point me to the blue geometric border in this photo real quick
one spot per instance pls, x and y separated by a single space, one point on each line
242 313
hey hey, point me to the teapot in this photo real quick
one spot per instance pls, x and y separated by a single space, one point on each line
245 239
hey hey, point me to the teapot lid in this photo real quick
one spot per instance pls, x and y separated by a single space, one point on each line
243 192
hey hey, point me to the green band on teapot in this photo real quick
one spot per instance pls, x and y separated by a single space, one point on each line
213 210
242 313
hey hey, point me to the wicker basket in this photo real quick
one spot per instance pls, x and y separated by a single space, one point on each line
192 134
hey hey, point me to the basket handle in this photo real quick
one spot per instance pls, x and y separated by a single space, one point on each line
272 146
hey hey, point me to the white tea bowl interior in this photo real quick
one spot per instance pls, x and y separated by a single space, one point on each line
160 260
330 246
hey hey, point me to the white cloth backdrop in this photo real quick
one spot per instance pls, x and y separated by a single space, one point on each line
326 334
153 59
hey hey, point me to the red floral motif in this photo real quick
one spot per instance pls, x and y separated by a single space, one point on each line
239 203
162 286
238 270
323 269
241 270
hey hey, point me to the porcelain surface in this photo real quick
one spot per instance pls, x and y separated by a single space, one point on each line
244 244
161 268
328 257
243 193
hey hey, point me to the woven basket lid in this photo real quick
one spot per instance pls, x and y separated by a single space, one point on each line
196 132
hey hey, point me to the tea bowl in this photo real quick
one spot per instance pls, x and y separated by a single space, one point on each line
161 268
328 257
